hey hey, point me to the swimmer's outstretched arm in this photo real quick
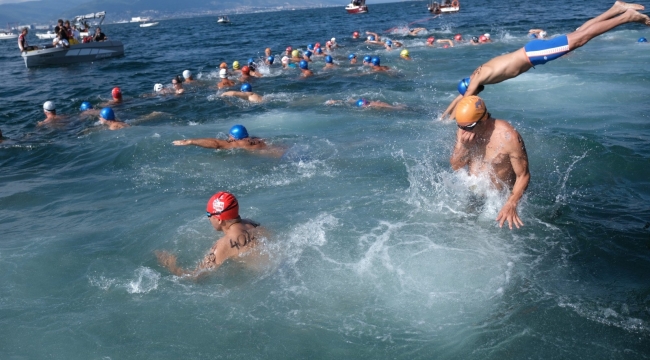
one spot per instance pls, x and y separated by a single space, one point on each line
208 143
519 161
446 41
377 38
239 94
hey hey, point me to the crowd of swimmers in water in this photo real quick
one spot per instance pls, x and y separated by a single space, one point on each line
485 146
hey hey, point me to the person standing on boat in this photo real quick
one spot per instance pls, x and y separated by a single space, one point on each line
22 41
539 52
99 35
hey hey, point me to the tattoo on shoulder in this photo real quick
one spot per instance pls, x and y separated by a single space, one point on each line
477 71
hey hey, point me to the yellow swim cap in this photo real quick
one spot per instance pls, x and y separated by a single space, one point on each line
405 53
235 65
295 53
470 109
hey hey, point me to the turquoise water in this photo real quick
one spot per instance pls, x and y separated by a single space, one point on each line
378 250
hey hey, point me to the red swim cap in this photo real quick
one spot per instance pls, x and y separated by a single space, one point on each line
458 37
446 46
245 69
117 93
317 45
482 38
356 33
289 48
431 39
224 206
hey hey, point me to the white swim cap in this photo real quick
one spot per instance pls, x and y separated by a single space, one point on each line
223 73
486 35
49 106
542 34
158 87
333 40
285 59
187 74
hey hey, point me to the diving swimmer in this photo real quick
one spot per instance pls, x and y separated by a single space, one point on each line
246 93
237 139
239 240
539 52
491 147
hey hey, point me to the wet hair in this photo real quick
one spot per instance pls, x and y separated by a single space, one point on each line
178 79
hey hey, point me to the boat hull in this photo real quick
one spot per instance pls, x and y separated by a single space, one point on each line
148 24
8 36
87 52
356 9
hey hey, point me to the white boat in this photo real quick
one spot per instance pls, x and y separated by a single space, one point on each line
7 35
449 6
85 52
46 36
223 19
140 19
357 7
149 24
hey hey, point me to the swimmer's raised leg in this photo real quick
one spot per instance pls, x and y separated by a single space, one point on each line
581 36
618 8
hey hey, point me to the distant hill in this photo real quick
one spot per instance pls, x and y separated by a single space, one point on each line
49 12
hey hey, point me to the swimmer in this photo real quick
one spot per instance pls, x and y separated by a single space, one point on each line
537 34
225 82
304 69
331 44
246 93
474 40
642 40
187 75
50 114
286 63
319 52
107 117
86 109
458 38
329 62
491 147
177 84
269 60
388 45
267 52
245 74
116 95
430 41
485 38
295 56
355 35
306 56
253 68
288 51
240 240
367 60
539 52
236 67
363 103
414 32
446 43
376 65
373 38
352 58
405 55
237 139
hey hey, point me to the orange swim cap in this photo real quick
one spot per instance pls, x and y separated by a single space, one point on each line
223 65
470 110
223 205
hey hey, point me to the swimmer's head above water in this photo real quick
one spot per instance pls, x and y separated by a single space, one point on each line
295 53
107 114
246 87
362 102
367 59
223 206
458 37
329 59
85 106
304 65
116 93
238 132
376 61
49 106
431 39
235 65
470 111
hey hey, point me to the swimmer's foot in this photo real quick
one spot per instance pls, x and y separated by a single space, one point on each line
624 5
636 16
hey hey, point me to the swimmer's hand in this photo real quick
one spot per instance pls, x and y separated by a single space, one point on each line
466 137
169 261
182 142
509 213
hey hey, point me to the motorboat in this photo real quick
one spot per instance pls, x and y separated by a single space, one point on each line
4 35
149 24
223 20
449 6
46 36
84 52
357 7
140 19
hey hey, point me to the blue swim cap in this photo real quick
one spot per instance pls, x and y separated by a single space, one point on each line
251 61
367 59
375 61
270 59
643 39
238 132
352 56
389 43
462 86
362 102
328 59
303 65
107 113
85 106
308 53
371 37
532 36
319 51
310 47
246 87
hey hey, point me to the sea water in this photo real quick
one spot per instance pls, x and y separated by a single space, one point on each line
378 249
